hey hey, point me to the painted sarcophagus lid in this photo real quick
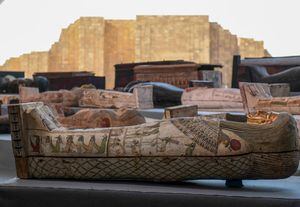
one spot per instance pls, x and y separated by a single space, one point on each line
258 96
86 97
213 99
165 150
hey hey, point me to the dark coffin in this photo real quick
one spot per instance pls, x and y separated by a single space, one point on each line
124 72
16 74
69 80
242 73
176 74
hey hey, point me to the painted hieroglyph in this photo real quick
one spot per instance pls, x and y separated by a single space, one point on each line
178 137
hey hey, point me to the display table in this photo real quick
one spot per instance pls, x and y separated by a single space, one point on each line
16 192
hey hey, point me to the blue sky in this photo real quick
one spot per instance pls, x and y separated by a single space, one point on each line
33 25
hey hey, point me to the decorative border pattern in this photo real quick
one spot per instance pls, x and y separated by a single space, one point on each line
249 166
16 130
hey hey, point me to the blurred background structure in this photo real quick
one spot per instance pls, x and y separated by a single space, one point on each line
96 44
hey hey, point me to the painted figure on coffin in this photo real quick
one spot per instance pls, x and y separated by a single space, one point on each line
58 146
81 146
93 147
70 145
35 143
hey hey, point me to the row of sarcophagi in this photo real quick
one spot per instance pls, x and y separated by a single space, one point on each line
250 97
97 134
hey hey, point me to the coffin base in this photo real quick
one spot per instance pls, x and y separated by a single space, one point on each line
167 169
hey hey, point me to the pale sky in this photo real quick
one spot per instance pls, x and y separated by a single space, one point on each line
33 25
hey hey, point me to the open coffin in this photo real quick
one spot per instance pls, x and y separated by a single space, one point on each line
165 150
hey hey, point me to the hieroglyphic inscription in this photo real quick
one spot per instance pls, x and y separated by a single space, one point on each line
16 130
65 144
200 131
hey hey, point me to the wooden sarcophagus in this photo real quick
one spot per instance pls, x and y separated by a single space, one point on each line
267 70
124 72
178 75
69 80
172 149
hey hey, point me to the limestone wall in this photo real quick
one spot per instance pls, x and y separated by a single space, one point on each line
223 45
215 30
251 48
119 46
80 47
229 49
94 44
172 37
30 63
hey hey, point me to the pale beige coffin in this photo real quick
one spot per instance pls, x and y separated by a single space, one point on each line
166 150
